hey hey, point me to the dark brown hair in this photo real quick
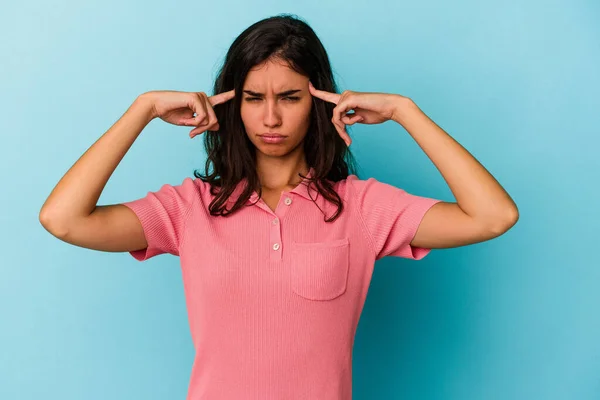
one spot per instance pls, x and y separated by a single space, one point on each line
284 37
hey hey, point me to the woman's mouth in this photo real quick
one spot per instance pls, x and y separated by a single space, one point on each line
272 139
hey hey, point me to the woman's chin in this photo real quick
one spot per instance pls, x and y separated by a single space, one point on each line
275 151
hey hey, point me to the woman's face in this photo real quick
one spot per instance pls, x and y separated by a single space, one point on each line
276 100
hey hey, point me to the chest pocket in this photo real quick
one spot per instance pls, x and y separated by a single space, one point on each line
319 271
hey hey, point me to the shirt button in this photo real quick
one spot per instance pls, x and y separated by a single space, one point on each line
276 246
288 201
275 221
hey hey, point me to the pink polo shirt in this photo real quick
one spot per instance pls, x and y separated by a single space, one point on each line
274 298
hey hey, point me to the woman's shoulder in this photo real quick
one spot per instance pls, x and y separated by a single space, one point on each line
348 187
356 187
352 183
189 189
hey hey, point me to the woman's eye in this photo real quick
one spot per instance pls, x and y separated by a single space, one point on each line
289 98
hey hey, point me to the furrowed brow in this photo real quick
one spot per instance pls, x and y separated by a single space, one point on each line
282 94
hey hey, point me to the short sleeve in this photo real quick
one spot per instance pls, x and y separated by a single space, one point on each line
391 217
163 214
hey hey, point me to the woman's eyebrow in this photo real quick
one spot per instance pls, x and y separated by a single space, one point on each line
282 94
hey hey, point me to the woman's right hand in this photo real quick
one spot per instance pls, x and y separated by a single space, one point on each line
178 108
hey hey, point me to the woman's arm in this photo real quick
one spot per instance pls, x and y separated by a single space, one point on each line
70 212
483 209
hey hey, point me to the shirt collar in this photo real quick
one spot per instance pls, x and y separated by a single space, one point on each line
301 189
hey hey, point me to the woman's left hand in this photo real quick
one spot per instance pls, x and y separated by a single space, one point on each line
369 108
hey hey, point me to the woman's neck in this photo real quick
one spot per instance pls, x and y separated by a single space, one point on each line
279 176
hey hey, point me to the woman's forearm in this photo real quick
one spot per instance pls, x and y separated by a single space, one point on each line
476 191
78 191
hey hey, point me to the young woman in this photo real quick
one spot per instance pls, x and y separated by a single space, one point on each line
277 245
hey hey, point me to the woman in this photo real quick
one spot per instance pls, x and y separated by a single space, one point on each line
277 245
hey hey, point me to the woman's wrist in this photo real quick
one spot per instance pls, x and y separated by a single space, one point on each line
146 102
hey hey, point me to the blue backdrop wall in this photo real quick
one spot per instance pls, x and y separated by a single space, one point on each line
515 82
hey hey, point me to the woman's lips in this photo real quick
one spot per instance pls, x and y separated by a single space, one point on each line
271 139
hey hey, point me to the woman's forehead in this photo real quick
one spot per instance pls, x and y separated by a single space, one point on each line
276 86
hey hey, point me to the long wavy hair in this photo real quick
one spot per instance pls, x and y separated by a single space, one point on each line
287 38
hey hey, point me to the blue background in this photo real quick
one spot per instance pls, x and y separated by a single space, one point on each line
514 82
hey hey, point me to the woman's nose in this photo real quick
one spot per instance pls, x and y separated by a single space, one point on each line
272 115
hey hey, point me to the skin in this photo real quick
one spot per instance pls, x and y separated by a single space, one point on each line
266 110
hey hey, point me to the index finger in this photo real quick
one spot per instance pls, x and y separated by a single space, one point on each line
321 94
221 97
